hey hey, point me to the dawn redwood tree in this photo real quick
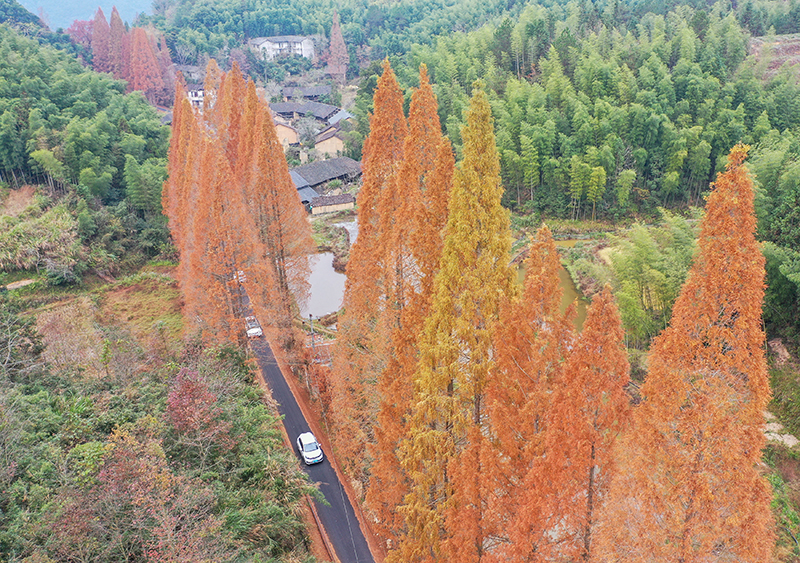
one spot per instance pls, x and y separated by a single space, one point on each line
100 42
531 339
689 487
117 52
362 347
338 58
411 225
232 206
281 226
588 411
443 451
143 73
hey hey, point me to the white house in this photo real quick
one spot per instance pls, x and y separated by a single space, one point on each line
283 45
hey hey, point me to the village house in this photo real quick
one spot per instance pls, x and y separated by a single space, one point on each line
330 142
311 93
317 174
283 45
287 134
331 203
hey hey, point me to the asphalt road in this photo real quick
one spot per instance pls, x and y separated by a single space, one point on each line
338 519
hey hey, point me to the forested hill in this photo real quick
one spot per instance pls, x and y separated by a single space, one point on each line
100 152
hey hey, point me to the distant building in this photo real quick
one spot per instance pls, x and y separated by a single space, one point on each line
321 172
331 203
312 93
287 134
304 190
283 45
296 110
330 142
196 97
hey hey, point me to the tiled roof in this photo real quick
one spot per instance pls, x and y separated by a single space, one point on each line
340 199
317 109
307 91
322 171
307 195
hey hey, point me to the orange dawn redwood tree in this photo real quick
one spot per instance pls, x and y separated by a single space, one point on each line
689 489
117 51
531 338
143 71
100 42
362 345
411 225
443 452
229 212
588 411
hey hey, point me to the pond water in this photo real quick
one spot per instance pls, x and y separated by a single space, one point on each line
327 287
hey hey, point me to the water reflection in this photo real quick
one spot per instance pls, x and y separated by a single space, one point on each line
327 287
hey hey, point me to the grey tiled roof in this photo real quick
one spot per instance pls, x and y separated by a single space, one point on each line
322 171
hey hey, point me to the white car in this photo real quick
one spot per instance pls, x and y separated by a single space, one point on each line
309 448
252 327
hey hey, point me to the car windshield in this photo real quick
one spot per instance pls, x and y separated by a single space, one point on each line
310 446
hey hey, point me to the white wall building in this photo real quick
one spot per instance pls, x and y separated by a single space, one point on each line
282 45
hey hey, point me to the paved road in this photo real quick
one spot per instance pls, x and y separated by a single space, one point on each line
338 519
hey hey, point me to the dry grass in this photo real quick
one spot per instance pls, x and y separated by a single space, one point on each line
123 330
72 338
17 201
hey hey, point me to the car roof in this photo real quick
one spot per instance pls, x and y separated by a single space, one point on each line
306 437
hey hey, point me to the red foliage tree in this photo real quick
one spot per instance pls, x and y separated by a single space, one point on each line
80 31
100 42
144 74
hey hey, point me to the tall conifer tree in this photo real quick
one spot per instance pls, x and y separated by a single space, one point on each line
531 340
144 73
589 410
361 350
445 507
100 42
411 224
117 53
690 488
338 57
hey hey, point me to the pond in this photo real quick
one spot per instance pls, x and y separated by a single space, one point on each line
327 287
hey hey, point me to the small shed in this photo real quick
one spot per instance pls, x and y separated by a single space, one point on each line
331 203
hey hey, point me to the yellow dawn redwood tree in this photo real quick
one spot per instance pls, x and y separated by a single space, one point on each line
411 238
689 489
444 508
